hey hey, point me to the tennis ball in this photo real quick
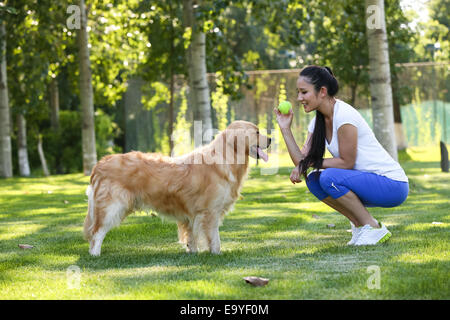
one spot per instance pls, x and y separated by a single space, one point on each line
284 107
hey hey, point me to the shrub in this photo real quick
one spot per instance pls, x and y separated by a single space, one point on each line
63 148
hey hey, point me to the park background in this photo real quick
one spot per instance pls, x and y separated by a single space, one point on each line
139 92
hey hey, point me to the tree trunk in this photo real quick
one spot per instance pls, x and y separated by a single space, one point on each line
400 137
86 96
5 128
138 127
42 157
172 80
171 112
380 76
444 157
22 152
353 88
53 91
196 58
187 17
54 104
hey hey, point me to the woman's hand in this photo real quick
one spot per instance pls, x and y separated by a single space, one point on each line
295 176
284 120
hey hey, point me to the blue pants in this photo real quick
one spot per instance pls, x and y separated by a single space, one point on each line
372 189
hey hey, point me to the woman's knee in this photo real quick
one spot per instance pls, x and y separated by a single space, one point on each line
331 182
328 176
313 184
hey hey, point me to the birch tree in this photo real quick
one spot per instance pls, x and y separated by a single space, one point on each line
86 96
196 59
54 103
380 76
5 126
22 152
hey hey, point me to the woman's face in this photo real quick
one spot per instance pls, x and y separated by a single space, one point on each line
307 95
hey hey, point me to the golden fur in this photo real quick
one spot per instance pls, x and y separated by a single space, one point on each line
196 189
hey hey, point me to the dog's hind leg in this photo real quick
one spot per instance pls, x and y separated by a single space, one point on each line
109 218
89 220
95 245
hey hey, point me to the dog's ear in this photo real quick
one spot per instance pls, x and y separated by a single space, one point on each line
230 145
228 138
235 137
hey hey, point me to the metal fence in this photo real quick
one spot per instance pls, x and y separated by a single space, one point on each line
422 90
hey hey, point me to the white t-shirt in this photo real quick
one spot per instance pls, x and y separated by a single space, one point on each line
371 156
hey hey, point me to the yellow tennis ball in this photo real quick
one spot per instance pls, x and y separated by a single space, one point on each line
284 107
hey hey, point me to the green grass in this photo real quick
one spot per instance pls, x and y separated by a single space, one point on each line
271 233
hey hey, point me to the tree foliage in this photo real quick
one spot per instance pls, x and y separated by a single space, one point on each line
148 40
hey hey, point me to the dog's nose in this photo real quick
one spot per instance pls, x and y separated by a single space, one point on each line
269 141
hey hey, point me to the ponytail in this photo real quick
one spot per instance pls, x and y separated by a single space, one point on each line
319 77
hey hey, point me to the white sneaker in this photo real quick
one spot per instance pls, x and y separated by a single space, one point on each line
369 235
355 234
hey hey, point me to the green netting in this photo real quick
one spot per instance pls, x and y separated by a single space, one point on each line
421 89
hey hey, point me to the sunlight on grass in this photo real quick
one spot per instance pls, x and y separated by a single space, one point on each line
9 231
423 257
427 153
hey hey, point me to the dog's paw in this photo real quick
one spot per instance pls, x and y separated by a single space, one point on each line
94 253
191 250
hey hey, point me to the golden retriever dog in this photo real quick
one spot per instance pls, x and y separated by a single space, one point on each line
196 190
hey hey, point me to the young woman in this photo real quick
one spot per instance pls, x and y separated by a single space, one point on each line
361 173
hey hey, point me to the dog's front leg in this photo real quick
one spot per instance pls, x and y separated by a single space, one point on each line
214 243
191 243
211 228
183 231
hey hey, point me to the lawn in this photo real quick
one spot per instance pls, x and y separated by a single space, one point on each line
277 231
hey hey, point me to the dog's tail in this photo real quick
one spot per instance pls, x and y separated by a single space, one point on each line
89 221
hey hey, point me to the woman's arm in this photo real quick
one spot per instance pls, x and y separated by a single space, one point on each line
285 121
348 141
294 151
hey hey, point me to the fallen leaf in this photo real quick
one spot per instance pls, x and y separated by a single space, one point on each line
435 222
66 202
315 216
256 281
349 230
331 225
241 197
25 246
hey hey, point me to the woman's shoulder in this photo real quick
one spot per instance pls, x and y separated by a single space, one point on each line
345 107
346 114
346 111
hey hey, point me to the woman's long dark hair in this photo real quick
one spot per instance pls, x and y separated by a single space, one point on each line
319 77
